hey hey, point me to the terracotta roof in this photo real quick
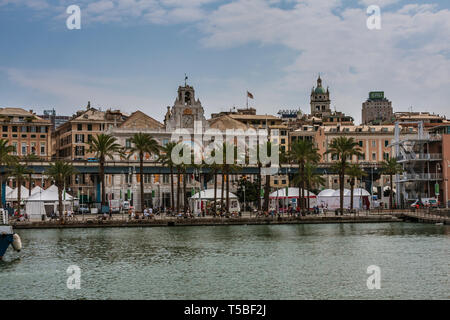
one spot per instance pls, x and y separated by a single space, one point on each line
140 120
19 112
226 122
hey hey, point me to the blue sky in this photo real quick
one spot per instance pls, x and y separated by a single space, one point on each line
132 54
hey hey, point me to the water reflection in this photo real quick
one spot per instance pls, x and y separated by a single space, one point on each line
326 261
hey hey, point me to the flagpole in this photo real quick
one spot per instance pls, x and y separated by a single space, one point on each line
247 99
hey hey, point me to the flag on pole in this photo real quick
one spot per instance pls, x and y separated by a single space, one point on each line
249 95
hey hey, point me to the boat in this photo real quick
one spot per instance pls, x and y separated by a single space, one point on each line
7 235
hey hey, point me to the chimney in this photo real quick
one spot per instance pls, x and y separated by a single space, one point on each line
88 105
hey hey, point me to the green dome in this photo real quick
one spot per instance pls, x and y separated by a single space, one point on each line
320 90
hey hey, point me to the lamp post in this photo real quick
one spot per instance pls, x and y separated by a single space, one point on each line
243 188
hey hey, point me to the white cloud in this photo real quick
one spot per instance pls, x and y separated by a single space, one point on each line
409 57
405 58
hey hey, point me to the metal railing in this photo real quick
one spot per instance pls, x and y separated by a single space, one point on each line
419 177
419 157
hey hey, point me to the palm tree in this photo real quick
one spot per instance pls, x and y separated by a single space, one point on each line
104 146
6 159
343 149
227 169
59 172
391 167
313 180
166 160
303 152
31 157
20 173
143 143
355 172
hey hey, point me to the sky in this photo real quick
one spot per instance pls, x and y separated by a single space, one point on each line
133 54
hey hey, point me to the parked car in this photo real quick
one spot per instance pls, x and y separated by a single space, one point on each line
126 205
426 202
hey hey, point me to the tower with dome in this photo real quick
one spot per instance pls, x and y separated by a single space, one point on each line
320 100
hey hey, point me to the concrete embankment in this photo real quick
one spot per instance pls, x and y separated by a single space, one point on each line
172 222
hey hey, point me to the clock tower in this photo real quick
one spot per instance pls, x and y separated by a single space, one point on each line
185 110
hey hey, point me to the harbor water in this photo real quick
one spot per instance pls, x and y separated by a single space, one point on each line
311 261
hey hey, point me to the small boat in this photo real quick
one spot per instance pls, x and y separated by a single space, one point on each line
439 223
7 235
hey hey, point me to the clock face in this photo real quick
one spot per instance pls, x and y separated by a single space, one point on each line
188 121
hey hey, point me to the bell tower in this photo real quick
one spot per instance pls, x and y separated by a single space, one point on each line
320 100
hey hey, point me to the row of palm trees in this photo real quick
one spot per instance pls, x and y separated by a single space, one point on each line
303 153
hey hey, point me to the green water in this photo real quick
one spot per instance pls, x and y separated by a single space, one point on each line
232 262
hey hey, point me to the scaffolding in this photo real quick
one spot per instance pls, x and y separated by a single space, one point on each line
413 153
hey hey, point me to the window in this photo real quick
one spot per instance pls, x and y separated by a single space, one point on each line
165 141
283 141
275 181
33 129
79 127
42 148
5 135
128 143
386 156
14 144
5 128
42 136
24 129
362 157
374 143
147 178
283 181
79 138
374 156
89 127
33 136
89 137
79 150
360 143
42 129
14 128
33 148
24 148
386 143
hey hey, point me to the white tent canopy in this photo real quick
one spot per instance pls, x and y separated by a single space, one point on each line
209 194
36 203
8 189
331 198
360 192
36 189
326 193
292 193
12 196
337 193
49 194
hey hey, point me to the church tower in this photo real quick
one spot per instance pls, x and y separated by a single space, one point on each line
185 110
320 100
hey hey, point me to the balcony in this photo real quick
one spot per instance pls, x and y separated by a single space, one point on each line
419 157
419 177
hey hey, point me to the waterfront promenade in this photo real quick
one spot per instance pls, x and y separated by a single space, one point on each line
119 220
